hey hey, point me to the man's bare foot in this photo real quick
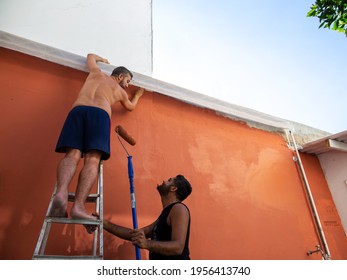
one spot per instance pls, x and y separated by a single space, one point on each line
78 213
59 207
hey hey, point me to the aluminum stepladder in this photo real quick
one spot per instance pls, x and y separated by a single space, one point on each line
98 240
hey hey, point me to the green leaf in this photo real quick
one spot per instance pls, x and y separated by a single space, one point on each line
311 13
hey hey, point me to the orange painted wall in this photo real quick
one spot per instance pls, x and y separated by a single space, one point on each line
248 201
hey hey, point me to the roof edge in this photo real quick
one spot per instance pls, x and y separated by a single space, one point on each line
320 146
252 117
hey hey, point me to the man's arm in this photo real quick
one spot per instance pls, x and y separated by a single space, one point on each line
119 231
123 232
92 60
179 220
131 104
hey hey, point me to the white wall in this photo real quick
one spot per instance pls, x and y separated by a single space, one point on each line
119 30
334 165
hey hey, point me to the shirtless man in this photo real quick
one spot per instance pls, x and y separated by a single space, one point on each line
86 133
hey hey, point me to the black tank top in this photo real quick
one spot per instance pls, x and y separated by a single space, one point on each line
162 232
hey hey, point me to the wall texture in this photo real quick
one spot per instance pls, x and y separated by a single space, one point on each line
248 201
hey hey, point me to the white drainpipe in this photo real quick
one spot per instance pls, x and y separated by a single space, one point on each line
325 253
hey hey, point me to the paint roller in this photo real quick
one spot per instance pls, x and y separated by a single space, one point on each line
124 134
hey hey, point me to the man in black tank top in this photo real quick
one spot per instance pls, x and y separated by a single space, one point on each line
162 231
168 237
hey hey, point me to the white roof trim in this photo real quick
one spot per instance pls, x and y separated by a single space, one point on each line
335 142
61 57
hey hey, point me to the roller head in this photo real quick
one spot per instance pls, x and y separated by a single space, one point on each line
122 133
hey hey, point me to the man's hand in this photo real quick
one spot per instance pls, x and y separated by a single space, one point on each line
138 238
104 60
92 59
140 92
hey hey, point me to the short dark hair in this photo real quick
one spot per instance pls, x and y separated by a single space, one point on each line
183 187
121 70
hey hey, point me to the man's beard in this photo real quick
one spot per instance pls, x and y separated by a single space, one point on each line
122 83
163 189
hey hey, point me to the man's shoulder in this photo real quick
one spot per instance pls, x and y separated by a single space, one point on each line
180 207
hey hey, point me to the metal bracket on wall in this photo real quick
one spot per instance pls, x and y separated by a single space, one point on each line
319 250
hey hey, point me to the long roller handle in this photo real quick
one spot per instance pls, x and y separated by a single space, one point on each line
133 201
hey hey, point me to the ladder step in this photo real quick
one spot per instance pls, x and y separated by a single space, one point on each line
55 257
72 221
91 198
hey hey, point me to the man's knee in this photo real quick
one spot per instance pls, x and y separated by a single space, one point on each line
73 155
93 157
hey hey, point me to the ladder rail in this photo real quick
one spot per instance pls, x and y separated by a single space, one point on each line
45 238
101 227
42 237
99 209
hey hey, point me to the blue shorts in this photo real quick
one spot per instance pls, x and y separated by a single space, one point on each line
86 128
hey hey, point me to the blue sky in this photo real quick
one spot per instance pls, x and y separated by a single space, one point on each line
264 55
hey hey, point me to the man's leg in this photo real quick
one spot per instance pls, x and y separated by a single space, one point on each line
86 181
65 172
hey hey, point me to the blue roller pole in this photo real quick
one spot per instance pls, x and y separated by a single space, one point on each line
133 201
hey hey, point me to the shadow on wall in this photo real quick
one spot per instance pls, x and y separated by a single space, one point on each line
114 249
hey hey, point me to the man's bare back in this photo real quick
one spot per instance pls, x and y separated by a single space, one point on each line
102 91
